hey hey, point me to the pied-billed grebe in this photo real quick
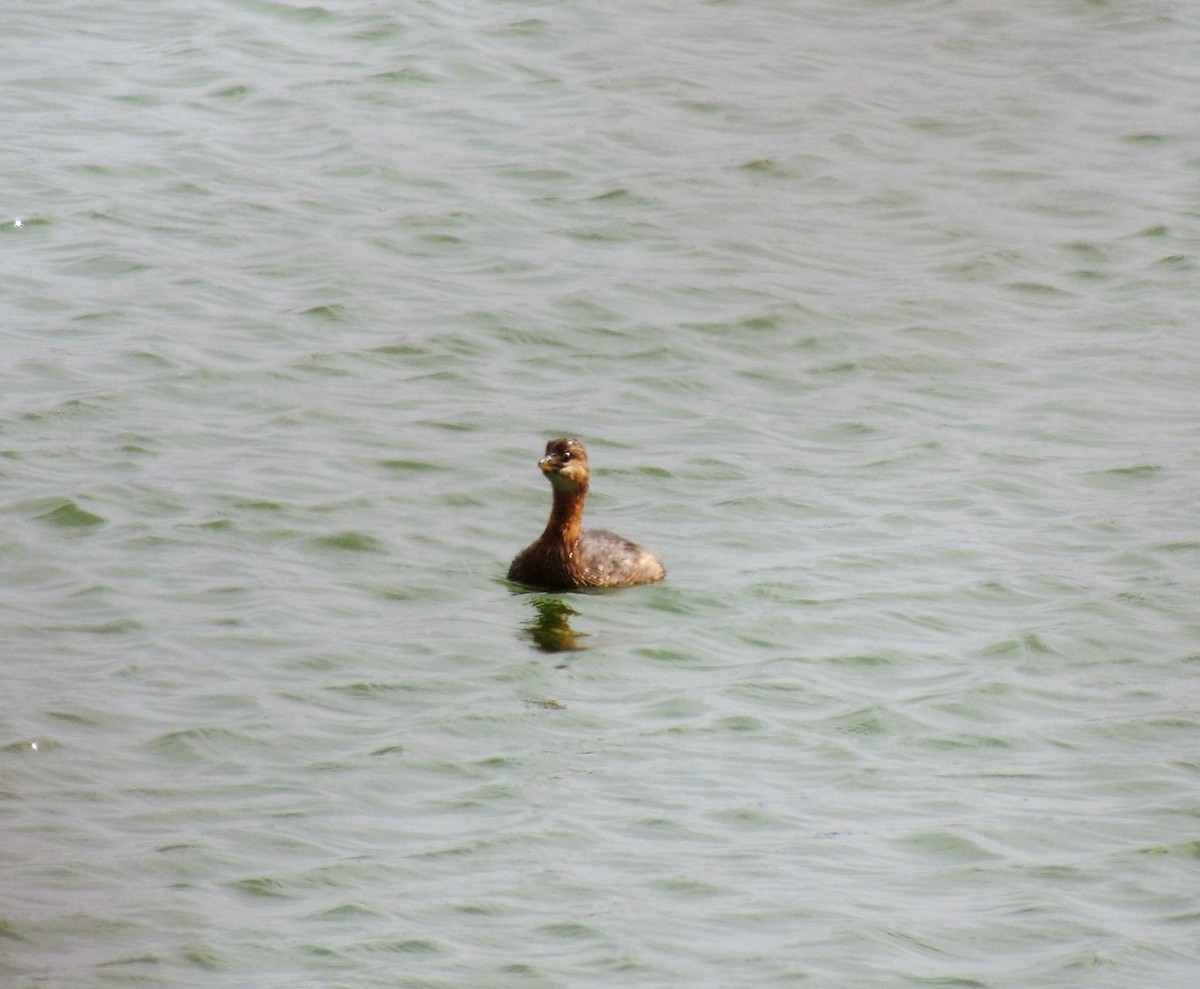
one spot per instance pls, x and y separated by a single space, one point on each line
567 556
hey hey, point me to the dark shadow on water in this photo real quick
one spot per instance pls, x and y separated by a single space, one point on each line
550 629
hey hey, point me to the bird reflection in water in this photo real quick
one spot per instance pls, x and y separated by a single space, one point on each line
551 629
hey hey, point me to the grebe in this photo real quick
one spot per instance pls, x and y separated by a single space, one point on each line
567 556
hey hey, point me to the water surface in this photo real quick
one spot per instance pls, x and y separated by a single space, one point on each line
878 320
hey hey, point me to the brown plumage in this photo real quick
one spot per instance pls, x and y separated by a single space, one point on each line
566 556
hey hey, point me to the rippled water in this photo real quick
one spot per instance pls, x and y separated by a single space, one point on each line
879 320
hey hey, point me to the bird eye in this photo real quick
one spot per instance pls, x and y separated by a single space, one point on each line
566 455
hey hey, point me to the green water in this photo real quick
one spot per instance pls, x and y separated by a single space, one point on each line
879 324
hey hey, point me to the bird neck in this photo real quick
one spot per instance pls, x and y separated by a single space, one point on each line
566 515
